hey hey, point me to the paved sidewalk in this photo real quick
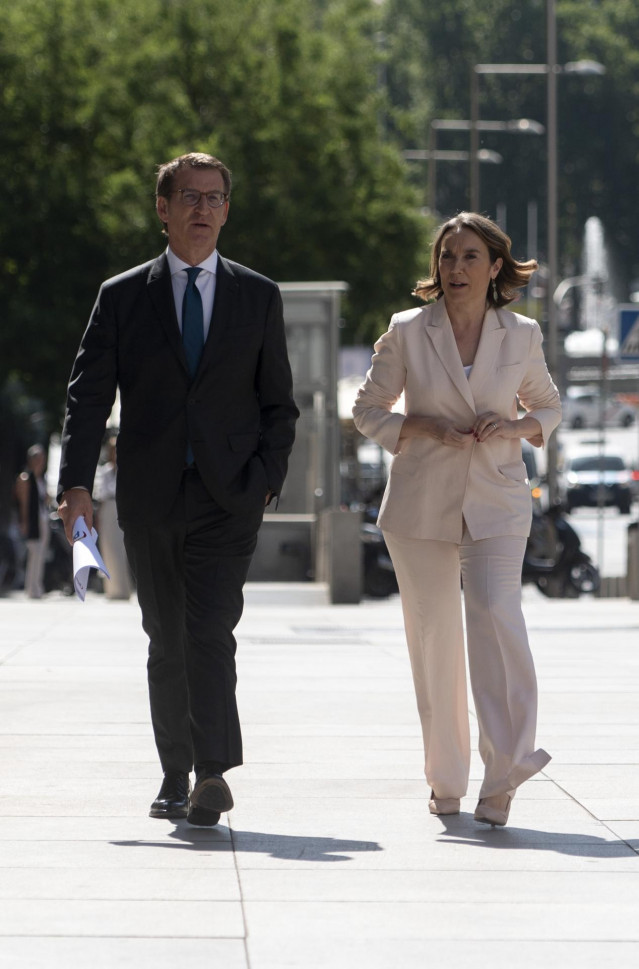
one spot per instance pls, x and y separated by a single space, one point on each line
330 859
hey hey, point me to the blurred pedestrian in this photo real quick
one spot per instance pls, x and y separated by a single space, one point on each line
458 501
33 517
111 538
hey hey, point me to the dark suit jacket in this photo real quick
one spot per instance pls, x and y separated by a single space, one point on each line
238 412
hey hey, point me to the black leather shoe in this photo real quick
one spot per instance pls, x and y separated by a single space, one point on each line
173 797
211 796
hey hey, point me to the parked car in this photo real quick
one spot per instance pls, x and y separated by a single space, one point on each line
585 474
584 410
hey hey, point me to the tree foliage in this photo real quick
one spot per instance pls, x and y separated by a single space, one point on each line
97 93
311 103
434 49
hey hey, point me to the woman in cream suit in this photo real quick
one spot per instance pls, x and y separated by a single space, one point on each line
458 500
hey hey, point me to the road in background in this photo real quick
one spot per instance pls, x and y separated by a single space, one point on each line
607 547
617 440
604 538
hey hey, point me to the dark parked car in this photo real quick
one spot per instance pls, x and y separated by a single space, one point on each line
586 474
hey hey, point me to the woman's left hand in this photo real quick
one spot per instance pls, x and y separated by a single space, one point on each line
490 425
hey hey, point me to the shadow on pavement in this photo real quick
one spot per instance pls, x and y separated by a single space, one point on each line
293 847
462 829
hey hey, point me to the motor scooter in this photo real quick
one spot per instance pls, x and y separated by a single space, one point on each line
379 575
554 560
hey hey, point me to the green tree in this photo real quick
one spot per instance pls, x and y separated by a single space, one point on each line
434 48
600 146
97 93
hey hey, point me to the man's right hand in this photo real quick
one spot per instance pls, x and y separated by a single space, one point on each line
73 503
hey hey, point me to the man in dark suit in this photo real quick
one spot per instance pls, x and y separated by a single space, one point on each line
207 423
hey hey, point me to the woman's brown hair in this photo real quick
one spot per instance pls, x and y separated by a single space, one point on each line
512 276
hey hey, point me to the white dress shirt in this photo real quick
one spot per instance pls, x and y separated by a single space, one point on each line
205 283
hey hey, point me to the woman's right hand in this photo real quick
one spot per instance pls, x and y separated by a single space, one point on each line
439 428
448 433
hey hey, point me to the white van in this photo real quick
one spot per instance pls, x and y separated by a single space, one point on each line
582 408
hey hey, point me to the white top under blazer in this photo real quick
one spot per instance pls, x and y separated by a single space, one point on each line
433 487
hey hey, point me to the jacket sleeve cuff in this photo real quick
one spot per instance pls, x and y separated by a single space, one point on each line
549 420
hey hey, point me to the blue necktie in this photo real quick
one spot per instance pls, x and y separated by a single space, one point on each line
192 321
192 330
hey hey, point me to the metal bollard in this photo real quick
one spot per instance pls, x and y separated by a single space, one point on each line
340 554
633 561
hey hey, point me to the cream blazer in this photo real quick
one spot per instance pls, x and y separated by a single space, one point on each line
433 486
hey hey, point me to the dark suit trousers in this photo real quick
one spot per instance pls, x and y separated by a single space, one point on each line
190 570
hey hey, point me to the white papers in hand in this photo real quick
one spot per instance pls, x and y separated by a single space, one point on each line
85 556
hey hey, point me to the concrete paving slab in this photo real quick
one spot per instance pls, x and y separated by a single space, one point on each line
80 795
283 953
309 921
365 818
322 770
330 857
628 831
125 953
180 883
54 746
485 886
127 830
614 777
357 790
423 841
133 918
160 854
612 809
84 772
264 728
272 855
616 708
66 802
604 756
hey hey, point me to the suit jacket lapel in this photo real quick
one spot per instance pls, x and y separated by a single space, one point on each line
161 294
440 332
224 308
485 365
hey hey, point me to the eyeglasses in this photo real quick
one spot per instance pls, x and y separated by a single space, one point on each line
191 197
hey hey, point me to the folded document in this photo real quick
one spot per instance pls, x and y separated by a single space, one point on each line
85 556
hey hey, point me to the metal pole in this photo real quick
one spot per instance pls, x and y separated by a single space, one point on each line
432 176
601 497
552 69
531 227
474 140
551 127
532 250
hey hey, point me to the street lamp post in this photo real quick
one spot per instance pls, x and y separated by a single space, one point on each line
476 124
551 216
552 70
518 126
434 155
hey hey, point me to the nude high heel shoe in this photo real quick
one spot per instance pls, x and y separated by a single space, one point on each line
493 810
443 805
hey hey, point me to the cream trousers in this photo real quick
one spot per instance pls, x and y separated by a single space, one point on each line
502 673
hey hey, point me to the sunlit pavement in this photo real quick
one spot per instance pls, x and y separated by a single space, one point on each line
329 858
